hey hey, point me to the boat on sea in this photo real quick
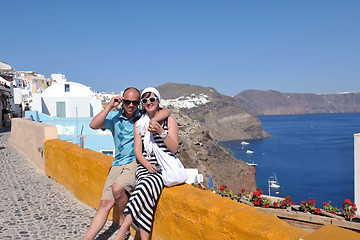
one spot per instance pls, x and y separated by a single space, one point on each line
273 182
244 143
251 164
249 152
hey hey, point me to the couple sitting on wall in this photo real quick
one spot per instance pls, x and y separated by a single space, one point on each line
134 186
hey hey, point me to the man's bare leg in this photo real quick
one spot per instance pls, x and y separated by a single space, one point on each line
121 199
99 219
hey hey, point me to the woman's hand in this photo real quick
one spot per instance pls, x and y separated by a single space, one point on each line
155 127
151 168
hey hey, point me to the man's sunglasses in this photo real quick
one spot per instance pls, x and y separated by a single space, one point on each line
151 99
135 103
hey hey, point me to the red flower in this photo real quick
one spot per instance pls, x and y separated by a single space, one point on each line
222 187
239 195
353 204
266 205
312 201
347 201
257 203
275 204
258 190
325 203
303 203
243 190
258 194
318 211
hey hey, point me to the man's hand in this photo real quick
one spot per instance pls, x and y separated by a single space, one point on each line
115 101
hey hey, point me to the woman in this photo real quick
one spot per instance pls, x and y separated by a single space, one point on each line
140 208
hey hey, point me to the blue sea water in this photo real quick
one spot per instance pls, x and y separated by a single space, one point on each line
311 155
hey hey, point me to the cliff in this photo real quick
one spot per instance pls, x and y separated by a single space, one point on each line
276 103
198 150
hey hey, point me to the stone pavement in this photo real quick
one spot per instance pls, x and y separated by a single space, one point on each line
34 206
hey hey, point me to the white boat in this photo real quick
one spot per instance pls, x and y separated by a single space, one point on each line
249 152
251 164
244 143
274 183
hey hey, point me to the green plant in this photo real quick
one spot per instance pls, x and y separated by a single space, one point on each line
308 206
349 209
330 209
285 203
225 192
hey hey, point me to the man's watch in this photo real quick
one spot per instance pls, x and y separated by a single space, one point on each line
164 134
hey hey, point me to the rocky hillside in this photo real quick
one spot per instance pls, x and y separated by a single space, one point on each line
198 150
276 103
224 118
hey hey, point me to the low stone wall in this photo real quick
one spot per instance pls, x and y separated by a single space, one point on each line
29 137
185 212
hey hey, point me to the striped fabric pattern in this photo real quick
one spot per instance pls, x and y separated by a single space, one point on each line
148 190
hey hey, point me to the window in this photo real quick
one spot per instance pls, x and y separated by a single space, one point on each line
109 152
67 87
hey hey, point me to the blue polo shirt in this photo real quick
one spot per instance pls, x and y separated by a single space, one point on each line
122 130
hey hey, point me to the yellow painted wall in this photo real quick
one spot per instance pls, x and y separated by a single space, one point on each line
185 212
82 171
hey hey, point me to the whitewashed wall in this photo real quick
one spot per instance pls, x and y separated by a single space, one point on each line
357 171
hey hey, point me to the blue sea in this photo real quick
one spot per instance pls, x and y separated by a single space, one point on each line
311 155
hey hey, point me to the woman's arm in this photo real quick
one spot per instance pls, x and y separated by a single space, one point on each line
172 139
138 153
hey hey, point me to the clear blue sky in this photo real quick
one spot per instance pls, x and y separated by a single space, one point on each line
288 46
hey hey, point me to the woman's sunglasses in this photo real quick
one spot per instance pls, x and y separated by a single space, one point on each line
151 99
135 103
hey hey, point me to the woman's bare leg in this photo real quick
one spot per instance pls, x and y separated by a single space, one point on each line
144 234
124 228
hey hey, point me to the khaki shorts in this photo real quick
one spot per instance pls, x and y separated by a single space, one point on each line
123 175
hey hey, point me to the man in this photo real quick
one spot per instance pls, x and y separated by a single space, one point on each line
121 178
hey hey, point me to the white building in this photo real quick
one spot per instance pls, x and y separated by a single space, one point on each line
62 99
58 78
357 171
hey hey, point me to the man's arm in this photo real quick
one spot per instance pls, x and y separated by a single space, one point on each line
161 115
98 120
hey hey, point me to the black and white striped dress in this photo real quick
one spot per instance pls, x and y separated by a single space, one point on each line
148 189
